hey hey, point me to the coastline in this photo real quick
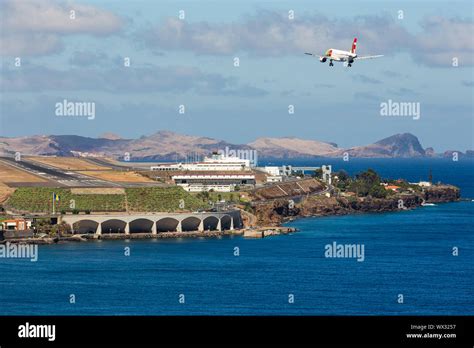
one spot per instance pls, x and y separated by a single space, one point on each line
278 212
122 236
269 216
260 232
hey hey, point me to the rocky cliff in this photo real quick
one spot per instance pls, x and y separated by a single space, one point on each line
441 193
279 211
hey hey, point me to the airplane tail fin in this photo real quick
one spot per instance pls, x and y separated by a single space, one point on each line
354 45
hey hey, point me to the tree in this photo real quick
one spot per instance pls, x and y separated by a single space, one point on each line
42 225
60 229
378 191
342 175
366 182
204 196
343 180
368 177
318 173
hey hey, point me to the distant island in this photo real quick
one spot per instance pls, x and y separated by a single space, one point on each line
169 146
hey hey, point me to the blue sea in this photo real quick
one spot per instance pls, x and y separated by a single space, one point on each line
407 253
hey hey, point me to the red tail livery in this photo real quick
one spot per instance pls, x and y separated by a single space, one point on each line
354 45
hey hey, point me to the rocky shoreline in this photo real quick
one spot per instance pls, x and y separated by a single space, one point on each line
277 212
267 217
122 236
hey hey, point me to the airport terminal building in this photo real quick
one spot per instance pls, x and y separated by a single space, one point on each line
215 182
217 162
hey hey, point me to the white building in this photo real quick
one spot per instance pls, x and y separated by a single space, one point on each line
423 184
217 162
273 171
218 183
15 224
274 178
327 170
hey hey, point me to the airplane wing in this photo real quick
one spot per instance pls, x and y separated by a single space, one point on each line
368 57
318 56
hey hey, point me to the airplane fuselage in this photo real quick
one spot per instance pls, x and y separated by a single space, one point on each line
348 57
339 55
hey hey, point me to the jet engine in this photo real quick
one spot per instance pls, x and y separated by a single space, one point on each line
322 59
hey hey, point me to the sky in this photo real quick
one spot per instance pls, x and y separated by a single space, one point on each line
184 53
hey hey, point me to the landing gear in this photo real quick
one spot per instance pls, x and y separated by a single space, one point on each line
331 63
349 65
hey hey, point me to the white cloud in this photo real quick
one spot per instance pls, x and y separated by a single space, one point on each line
37 26
269 33
443 39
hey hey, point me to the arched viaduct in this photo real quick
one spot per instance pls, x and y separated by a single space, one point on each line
154 222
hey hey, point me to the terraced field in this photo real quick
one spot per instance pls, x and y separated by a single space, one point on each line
40 200
163 199
150 199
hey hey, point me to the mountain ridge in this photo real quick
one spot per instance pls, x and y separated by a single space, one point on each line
167 145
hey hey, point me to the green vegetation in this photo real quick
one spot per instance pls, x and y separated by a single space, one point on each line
318 173
368 183
364 184
164 199
147 199
40 200
230 197
404 185
45 226
248 207
343 180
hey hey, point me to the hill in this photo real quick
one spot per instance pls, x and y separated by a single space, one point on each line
291 147
399 145
170 146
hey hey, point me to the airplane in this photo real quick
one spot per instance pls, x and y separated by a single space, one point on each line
342 56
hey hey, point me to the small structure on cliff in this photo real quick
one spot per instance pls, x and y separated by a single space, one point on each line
327 170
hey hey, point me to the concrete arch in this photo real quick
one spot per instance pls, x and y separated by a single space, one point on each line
210 223
226 222
167 225
141 226
113 226
190 224
85 226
